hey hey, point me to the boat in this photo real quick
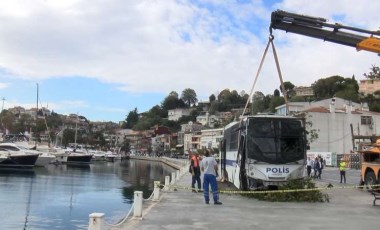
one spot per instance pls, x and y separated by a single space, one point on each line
79 158
111 157
3 157
42 160
78 155
17 158
60 155
99 156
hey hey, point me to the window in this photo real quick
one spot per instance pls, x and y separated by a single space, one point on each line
366 120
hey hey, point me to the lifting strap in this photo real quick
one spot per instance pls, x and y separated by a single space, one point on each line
270 41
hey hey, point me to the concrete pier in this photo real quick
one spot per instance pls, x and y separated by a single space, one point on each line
182 209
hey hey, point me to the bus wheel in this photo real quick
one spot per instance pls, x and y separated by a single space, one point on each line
370 180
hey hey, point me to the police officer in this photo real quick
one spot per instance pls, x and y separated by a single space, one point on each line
342 170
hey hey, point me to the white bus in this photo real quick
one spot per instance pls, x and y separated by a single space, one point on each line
262 151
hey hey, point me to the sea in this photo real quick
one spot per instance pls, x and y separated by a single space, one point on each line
63 196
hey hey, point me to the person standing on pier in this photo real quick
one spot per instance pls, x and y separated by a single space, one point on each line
309 165
209 167
342 170
195 171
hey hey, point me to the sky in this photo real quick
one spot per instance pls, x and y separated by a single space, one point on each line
103 58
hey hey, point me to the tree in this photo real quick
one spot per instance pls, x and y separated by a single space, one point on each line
7 120
125 146
189 97
68 136
132 119
276 93
24 123
329 87
172 102
212 98
274 102
374 74
289 89
258 103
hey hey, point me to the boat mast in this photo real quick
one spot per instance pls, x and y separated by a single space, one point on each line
76 132
35 141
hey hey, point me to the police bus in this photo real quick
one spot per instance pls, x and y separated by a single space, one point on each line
263 150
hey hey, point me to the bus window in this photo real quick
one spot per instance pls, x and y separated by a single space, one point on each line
275 141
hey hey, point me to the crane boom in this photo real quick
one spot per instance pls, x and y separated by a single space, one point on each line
319 28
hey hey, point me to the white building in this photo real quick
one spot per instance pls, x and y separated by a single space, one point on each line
175 114
210 138
207 120
301 106
337 122
192 141
336 128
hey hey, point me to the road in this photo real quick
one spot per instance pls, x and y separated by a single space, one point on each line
332 175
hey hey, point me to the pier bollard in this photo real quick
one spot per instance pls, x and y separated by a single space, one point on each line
96 221
178 176
167 181
138 200
173 177
156 191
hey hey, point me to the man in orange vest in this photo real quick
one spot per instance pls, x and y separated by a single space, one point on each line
195 171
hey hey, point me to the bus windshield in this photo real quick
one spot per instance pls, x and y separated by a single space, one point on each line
275 141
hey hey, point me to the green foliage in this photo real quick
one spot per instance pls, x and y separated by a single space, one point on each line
172 102
259 103
189 97
212 98
274 102
289 89
68 136
374 73
331 86
132 119
374 107
294 196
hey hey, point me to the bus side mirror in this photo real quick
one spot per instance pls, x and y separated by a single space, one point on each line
307 147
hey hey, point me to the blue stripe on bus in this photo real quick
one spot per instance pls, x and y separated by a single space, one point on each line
229 162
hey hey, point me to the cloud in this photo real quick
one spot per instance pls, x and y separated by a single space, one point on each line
160 46
3 85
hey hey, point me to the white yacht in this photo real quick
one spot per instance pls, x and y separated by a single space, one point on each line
42 160
12 157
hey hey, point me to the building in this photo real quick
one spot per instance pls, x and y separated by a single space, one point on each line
326 103
192 141
207 120
211 138
304 91
175 114
337 123
369 86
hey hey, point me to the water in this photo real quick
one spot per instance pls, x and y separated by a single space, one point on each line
62 196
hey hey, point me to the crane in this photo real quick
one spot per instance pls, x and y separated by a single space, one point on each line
317 27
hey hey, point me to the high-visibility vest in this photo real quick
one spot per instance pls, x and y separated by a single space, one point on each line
342 166
196 161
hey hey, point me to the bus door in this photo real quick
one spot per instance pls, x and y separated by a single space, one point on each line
223 171
240 163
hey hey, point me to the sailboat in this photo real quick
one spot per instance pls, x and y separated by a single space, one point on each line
78 154
47 154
